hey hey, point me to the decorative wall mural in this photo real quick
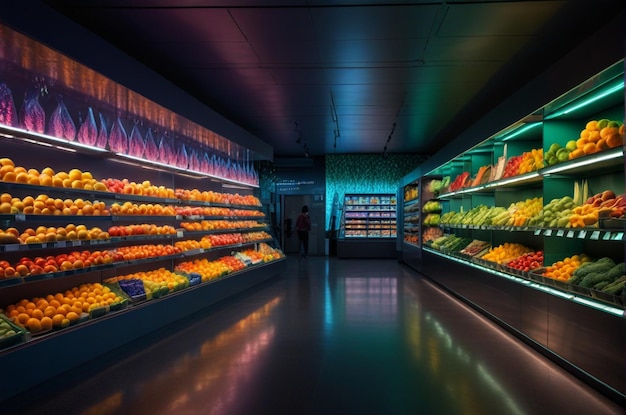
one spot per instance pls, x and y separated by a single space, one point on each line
364 173
61 98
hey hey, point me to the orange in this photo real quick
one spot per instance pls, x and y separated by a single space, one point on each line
6 198
10 177
46 323
5 207
72 316
22 318
48 171
21 177
45 180
4 170
50 311
57 320
594 136
33 325
33 172
5 161
592 125
614 140
75 174
37 313
590 148
57 182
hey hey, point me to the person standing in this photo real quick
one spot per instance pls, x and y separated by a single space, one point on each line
303 227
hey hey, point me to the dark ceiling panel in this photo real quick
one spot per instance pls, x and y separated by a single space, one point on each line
275 24
473 49
373 51
341 76
431 67
289 53
522 18
187 25
390 22
206 54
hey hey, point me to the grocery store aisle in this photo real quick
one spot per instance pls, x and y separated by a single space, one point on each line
331 336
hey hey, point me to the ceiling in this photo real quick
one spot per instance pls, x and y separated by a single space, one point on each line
312 77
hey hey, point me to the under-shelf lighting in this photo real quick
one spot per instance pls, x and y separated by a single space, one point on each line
44 139
590 100
69 150
520 130
610 155
514 179
541 287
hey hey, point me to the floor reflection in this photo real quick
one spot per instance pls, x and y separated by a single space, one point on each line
329 337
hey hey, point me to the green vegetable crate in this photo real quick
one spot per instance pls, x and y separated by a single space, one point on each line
10 333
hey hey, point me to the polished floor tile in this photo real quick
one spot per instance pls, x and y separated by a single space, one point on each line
329 336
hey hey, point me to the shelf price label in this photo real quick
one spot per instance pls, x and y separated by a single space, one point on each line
606 236
570 234
582 234
618 236
537 232
20 217
595 235
560 233
548 232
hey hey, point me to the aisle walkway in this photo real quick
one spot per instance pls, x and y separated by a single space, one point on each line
330 337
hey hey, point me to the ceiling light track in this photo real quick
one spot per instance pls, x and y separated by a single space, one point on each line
393 127
335 119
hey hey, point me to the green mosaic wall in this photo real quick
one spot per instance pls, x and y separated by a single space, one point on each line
364 173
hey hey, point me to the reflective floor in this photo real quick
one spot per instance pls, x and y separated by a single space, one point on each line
329 337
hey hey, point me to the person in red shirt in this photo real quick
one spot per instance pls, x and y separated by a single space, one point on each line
303 227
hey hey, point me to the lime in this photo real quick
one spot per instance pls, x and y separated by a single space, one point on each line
571 145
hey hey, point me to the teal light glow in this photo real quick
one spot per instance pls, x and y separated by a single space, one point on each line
590 100
540 287
520 130
364 173
586 102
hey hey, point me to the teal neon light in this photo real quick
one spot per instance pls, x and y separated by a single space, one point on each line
520 130
592 99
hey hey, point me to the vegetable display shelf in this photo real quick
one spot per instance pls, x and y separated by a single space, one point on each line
368 226
560 206
244 225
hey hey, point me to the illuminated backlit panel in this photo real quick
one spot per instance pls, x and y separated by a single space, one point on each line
49 95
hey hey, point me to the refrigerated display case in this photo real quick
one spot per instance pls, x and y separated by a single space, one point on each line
533 229
368 226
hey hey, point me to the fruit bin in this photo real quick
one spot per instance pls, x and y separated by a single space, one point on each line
608 298
21 335
536 275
